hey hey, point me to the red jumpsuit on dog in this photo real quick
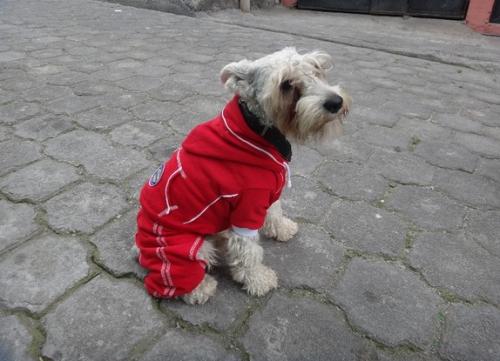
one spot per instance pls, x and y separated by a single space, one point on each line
224 175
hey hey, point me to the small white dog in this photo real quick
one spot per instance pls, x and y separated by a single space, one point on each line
223 184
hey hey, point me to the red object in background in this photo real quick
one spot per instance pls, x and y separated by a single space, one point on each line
289 3
479 15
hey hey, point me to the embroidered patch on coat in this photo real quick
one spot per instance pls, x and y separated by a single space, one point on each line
156 176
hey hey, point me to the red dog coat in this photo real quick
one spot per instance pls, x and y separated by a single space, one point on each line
223 175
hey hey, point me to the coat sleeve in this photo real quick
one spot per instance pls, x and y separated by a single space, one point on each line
250 210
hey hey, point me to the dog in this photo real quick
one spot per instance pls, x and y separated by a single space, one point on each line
222 185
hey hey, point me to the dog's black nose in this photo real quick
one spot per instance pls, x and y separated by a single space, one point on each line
333 104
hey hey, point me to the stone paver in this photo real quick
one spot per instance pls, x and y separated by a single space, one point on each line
469 188
84 207
221 312
17 153
277 332
17 221
138 133
471 333
177 345
427 208
43 127
364 227
455 263
114 243
94 95
388 302
483 228
38 180
15 339
96 154
112 317
306 200
34 275
447 155
310 259
352 180
402 167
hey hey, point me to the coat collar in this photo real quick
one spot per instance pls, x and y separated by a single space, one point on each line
270 134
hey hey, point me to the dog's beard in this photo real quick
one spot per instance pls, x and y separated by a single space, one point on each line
312 121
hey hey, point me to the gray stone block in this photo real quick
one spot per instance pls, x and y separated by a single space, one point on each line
84 207
457 264
178 345
39 180
310 259
17 222
483 145
384 137
402 167
468 188
17 153
471 333
457 122
366 228
72 104
388 302
138 133
352 180
103 118
43 127
139 82
447 155
96 154
221 311
112 317
35 274
483 227
277 332
305 161
17 111
15 340
305 200
156 111
489 168
114 243
427 208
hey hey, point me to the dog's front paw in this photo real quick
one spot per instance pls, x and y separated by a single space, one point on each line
286 230
281 230
260 280
202 293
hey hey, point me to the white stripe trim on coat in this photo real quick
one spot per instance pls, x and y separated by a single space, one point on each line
284 164
209 205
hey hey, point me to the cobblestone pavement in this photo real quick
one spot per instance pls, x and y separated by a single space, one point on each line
398 256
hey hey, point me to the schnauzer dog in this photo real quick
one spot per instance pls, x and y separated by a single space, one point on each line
222 185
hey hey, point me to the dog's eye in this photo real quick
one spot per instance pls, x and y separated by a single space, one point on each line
286 86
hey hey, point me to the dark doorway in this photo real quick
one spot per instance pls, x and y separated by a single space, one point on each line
495 14
449 9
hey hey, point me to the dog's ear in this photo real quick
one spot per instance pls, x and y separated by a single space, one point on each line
237 76
321 60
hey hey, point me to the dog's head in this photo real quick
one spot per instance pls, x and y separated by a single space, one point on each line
290 91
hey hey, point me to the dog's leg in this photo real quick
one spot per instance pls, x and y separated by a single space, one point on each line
203 292
278 226
244 257
206 288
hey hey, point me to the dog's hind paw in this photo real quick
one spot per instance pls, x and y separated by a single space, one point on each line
202 293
